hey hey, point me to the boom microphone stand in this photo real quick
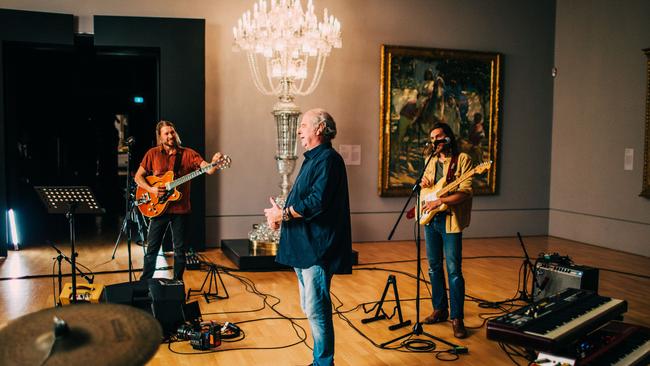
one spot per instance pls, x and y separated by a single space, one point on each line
417 328
59 258
129 208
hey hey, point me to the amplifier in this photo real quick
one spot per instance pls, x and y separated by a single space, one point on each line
554 277
168 297
85 293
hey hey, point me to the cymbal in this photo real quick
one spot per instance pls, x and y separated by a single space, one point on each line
86 334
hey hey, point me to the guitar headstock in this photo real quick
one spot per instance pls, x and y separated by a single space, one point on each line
483 167
223 162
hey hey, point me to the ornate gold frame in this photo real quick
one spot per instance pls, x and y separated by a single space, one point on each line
645 190
397 168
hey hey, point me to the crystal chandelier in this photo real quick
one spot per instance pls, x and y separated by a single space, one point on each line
283 40
289 44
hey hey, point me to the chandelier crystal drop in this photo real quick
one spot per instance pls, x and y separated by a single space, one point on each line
288 43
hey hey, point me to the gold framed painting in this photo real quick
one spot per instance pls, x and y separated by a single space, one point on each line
645 190
423 86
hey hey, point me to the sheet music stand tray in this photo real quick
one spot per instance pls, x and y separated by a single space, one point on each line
69 200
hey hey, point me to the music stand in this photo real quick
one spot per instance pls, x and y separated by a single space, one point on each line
70 200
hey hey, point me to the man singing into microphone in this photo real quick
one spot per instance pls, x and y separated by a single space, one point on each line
443 234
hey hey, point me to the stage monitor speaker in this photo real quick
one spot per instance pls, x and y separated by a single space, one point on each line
168 298
552 278
128 293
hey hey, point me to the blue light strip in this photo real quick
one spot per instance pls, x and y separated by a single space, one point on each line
13 228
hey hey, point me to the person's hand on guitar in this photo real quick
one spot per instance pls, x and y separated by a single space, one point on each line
431 205
158 190
426 182
215 158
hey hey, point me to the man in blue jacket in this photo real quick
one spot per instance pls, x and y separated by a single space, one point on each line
316 235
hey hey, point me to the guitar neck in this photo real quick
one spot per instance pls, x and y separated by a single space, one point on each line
186 178
457 182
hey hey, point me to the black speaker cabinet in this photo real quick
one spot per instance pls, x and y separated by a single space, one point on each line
128 293
168 297
552 278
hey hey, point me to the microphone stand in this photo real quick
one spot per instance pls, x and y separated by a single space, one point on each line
126 225
417 328
528 264
60 257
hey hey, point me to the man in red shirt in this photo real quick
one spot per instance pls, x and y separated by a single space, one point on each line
169 155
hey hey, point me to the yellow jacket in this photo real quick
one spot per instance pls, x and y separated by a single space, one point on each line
459 215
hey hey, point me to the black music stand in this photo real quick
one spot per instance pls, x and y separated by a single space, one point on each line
70 201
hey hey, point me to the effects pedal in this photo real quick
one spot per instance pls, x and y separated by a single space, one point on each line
192 261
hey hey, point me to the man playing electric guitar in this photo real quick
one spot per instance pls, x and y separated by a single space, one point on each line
444 232
169 155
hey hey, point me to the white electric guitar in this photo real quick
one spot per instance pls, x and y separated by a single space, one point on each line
433 193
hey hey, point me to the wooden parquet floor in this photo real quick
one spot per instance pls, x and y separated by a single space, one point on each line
490 266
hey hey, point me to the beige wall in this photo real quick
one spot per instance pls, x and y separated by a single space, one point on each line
238 119
599 111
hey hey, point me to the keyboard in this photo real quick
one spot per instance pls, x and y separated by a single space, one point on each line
615 343
552 323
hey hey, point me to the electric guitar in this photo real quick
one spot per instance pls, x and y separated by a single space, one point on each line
151 205
437 191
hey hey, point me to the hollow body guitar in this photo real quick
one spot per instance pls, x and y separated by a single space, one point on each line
152 205
438 190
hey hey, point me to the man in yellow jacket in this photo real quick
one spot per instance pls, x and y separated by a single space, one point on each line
444 233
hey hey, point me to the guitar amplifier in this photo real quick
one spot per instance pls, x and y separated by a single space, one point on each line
85 293
552 277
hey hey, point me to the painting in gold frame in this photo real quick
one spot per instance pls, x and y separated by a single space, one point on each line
422 86
645 190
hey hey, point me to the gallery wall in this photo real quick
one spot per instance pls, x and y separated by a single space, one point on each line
239 121
599 111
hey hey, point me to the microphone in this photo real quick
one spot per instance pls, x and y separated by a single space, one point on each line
446 140
130 141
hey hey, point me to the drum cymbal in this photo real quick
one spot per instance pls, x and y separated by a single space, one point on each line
85 334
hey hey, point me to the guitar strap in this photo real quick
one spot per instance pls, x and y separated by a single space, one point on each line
177 163
451 173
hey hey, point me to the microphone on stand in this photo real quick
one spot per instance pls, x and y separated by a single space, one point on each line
446 140
130 141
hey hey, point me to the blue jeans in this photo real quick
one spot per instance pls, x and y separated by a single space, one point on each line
439 241
314 283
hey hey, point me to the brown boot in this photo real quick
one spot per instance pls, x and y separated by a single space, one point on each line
459 328
437 316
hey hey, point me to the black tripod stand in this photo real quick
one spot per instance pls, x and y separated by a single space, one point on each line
210 279
417 327
134 220
130 207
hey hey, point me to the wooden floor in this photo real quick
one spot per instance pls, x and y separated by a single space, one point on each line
491 269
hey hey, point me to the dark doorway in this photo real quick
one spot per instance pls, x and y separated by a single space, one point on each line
67 111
